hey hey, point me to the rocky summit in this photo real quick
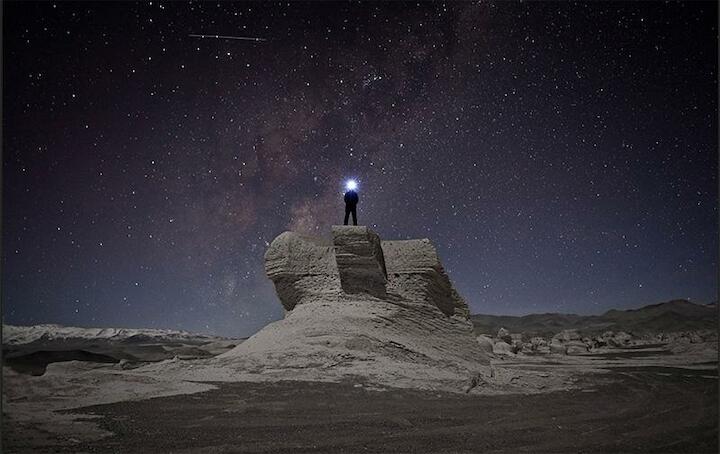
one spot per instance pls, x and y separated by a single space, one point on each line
358 307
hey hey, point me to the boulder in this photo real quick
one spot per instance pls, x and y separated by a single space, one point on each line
619 339
567 335
692 337
535 345
123 364
502 348
575 348
485 342
504 335
557 347
599 342
537 342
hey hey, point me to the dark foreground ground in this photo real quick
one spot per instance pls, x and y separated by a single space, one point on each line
659 410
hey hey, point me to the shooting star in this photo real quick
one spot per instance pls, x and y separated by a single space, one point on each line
239 38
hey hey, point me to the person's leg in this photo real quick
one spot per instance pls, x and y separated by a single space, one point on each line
347 215
354 213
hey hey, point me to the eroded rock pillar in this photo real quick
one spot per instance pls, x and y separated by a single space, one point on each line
360 260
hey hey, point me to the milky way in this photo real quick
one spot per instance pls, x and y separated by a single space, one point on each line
561 156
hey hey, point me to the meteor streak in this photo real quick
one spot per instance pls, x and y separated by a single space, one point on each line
239 38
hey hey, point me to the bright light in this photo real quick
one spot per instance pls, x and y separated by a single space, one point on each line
351 185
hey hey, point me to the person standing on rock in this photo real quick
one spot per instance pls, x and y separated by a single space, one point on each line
351 200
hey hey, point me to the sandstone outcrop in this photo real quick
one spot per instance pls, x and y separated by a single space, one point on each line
356 306
357 262
360 260
302 267
416 274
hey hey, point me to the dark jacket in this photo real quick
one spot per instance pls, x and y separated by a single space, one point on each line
351 198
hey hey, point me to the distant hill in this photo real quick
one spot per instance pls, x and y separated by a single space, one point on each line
29 349
676 315
17 335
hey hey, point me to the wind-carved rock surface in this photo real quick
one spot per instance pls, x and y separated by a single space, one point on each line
383 312
360 260
415 273
302 267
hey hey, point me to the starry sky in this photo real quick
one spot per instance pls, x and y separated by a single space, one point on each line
561 156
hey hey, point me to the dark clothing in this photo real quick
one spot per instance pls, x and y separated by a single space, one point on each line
349 210
351 200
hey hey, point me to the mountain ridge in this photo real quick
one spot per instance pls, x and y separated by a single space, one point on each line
27 334
673 315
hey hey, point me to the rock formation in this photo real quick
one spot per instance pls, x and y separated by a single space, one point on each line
360 260
305 269
380 311
485 342
302 267
504 335
416 274
502 348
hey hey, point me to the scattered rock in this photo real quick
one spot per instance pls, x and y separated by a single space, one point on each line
567 335
123 364
557 347
485 342
474 383
621 339
611 339
575 348
537 342
502 348
599 342
504 335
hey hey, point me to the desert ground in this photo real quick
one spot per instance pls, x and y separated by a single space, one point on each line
645 398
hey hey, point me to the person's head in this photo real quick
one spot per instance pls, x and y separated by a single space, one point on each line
351 185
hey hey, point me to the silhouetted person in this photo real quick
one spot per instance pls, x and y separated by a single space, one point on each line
351 200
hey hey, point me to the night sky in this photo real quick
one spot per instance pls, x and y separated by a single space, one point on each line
561 156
